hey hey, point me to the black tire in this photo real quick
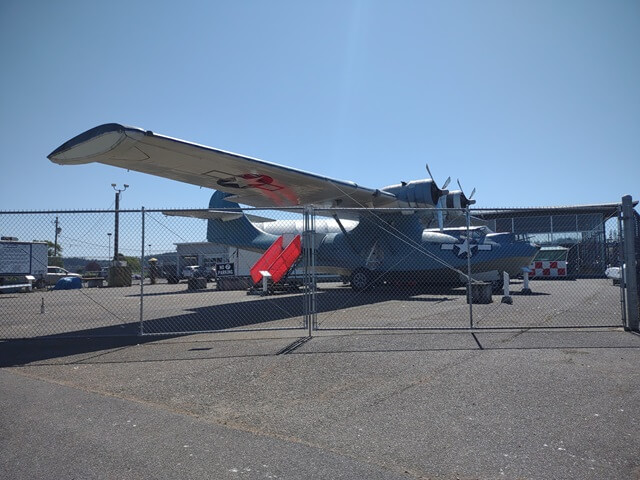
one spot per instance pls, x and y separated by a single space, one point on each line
360 279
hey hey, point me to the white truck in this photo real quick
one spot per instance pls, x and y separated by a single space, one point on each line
22 264
56 273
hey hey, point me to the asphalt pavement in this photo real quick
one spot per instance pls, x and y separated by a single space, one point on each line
490 404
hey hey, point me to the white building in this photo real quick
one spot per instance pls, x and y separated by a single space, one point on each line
207 254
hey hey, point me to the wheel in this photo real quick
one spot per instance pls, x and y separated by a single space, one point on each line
360 279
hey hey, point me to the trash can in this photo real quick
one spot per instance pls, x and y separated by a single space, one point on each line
481 293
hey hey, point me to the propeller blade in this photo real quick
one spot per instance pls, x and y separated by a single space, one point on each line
460 186
472 193
446 183
429 170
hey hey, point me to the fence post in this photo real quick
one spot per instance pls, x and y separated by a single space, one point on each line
141 332
310 314
629 266
469 294
623 307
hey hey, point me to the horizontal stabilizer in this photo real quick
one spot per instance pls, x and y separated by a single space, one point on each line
224 215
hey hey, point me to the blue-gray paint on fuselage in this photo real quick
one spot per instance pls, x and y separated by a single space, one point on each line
383 242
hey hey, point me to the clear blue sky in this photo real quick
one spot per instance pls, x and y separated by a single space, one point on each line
534 103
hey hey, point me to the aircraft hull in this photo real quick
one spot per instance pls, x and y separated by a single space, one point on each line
431 263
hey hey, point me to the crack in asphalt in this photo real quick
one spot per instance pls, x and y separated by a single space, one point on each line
236 426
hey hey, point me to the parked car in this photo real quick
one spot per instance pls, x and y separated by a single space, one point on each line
614 273
56 273
187 272
207 272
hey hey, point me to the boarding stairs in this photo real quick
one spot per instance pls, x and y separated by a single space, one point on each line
273 267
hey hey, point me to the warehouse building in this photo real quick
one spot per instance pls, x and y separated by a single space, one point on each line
590 232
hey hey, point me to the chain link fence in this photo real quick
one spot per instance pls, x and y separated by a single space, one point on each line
77 243
186 271
203 286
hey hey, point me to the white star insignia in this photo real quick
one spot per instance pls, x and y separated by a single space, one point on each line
465 247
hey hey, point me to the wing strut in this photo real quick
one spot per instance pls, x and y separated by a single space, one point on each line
346 234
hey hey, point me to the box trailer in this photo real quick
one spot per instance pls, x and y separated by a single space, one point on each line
23 262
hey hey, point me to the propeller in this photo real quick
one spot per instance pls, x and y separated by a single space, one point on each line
446 182
470 197
441 201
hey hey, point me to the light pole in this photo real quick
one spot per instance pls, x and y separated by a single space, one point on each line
117 225
109 235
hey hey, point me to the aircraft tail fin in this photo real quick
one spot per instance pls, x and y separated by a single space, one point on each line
235 228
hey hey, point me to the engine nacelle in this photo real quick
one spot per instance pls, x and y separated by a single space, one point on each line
417 193
457 199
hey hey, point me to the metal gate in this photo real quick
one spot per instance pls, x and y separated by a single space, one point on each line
444 298
198 304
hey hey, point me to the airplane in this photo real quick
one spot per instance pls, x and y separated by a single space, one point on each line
392 234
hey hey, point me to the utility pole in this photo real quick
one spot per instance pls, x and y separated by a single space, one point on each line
117 223
55 241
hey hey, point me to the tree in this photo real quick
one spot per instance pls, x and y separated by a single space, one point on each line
92 266
56 261
51 248
133 262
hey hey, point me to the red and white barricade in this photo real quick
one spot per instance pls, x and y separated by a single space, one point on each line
548 269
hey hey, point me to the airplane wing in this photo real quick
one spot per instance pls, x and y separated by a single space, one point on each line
251 181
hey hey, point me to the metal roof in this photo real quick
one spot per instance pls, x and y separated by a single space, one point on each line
606 209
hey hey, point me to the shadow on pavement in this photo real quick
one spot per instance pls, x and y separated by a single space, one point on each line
23 352
247 315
